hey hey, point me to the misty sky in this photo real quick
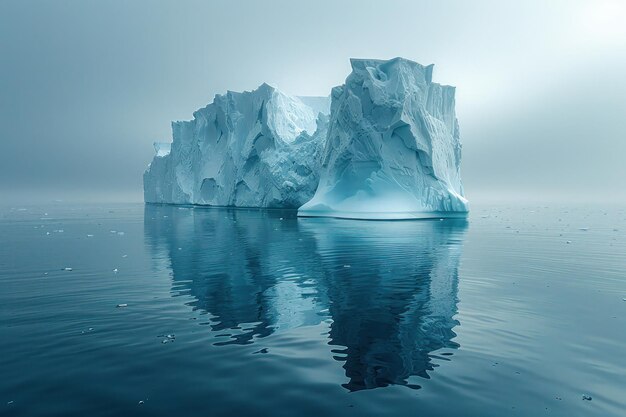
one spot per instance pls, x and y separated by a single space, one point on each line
87 86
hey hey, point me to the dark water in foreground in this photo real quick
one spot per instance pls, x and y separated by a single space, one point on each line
237 312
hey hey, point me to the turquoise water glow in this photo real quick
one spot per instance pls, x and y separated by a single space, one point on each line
194 311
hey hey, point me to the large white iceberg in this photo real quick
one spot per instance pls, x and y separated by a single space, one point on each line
387 148
253 149
393 149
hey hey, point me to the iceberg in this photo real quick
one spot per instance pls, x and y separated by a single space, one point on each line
385 145
253 149
393 148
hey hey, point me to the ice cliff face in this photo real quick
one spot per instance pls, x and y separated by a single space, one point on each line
250 149
388 148
392 149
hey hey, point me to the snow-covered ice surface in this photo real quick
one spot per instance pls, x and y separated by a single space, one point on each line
393 149
387 147
253 149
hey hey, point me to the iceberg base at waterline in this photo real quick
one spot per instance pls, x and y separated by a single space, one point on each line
384 215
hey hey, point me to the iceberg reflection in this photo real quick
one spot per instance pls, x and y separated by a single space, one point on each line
389 289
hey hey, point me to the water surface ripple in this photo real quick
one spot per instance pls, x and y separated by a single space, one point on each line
165 310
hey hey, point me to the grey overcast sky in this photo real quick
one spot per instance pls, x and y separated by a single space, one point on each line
87 86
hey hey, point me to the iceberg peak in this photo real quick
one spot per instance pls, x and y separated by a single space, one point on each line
249 149
393 149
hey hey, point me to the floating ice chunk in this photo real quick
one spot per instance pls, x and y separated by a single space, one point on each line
122 305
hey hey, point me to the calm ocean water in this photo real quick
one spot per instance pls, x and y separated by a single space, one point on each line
194 311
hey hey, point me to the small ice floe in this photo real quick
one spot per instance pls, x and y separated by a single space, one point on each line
122 305
124 256
180 248
120 233
347 266
584 229
67 269
167 338
47 233
113 231
280 218
587 397
115 270
89 235
624 299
